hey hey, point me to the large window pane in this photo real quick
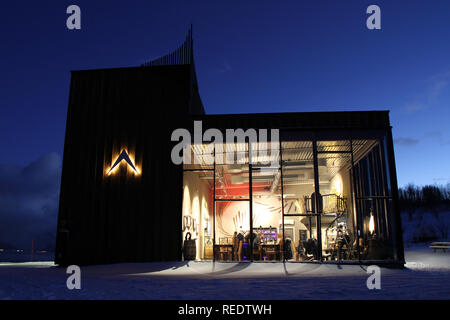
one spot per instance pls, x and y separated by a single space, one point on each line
300 223
335 194
197 213
267 217
374 205
232 203
232 231
232 171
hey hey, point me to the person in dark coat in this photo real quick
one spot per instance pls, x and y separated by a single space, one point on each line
288 249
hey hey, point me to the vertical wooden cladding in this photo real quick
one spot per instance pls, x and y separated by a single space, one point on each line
122 217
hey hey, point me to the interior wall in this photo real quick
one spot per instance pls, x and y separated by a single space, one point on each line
300 191
233 216
197 203
347 194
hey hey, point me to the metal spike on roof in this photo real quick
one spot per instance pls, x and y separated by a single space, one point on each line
183 55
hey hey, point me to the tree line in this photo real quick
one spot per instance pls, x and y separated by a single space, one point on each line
430 196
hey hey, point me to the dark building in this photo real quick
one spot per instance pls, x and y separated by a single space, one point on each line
322 187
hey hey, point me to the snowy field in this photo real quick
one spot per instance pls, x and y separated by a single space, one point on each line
426 276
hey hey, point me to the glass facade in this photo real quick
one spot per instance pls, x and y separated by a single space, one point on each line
306 197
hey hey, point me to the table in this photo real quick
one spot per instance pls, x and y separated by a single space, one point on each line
223 252
271 250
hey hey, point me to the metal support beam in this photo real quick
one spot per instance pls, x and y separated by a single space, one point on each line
316 199
250 190
282 198
214 207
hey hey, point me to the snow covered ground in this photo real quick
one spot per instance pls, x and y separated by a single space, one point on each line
426 276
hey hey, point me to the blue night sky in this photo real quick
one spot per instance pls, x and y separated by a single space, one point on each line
251 56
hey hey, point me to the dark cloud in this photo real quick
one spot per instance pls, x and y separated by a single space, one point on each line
409 142
29 203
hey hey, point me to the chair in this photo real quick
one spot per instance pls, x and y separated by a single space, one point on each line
226 253
270 253
362 250
296 253
300 249
311 249
257 253
240 251
236 243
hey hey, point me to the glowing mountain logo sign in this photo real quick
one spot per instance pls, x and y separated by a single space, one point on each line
123 157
